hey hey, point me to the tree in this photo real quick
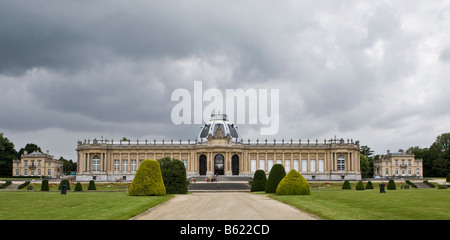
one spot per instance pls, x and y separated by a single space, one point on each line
346 185
366 161
391 185
276 174
30 148
148 180
293 184
439 153
78 187
7 155
174 175
259 181
360 185
44 186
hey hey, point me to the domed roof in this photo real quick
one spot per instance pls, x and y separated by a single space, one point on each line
218 126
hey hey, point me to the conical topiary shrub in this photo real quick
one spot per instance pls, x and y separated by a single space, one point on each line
174 175
92 185
64 182
259 181
276 174
148 180
44 186
78 187
369 185
360 186
391 185
346 185
293 184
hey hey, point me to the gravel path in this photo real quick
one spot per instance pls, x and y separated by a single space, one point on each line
223 206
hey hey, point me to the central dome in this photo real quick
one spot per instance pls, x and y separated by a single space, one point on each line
218 124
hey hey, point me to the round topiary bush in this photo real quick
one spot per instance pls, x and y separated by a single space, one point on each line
78 187
64 182
174 175
293 184
44 186
259 181
92 185
369 185
360 185
391 185
276 174
346 185
148 180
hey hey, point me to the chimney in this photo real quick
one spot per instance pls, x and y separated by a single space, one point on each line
388 152
48 152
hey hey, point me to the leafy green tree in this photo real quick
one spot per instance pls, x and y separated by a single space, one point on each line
30 147
174 175
7 155
293 184
276 174
148 180
259 181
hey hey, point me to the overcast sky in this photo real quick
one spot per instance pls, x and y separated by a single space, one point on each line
374 71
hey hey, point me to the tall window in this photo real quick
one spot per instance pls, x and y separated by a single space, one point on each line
321 165
296 165
262 163
96 163
287 165
312 165
304 165
116 165
341 163
253 165
269 164
133 165
124 165
49 172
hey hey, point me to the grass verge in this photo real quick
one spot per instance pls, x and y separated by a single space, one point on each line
74 205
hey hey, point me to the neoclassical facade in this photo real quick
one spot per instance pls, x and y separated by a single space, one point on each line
398 165
219 151
37 164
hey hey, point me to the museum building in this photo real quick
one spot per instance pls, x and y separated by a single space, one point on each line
219 150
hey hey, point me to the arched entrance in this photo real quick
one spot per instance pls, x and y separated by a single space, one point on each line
218 164
235 164
202 165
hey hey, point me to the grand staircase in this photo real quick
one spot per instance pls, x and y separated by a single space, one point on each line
224 184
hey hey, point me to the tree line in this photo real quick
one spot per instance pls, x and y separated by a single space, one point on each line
8 153
436 158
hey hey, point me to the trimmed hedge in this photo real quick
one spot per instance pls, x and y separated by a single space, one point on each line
293 184
64 182
369 185
360 185
174 175
276 174
346 185
44 186
23 185
391 185
92 185
259 181
78 187
148 180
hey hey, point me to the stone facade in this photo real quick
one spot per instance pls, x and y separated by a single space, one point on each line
398 165
220 154
37 164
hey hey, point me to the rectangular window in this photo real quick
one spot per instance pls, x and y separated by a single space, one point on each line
296 165
312 165
116 165
287 165
304 165
321 165
124 165
253 165
133 165
261 164
279 161
269 164
185 164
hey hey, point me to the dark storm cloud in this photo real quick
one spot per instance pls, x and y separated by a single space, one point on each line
109 67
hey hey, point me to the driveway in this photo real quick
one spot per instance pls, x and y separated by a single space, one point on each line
223 206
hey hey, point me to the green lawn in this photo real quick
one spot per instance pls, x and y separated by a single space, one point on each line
415 204
74 205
